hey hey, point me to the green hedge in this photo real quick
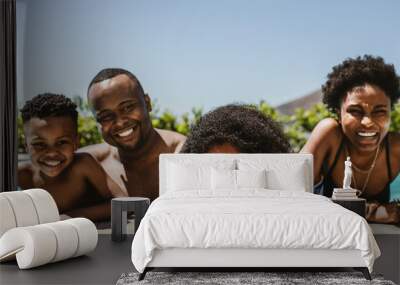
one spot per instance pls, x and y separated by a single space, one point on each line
297 127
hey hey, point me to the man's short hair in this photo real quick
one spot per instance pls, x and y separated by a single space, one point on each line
108 73
242 126
49 105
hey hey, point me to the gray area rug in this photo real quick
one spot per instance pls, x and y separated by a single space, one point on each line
228 278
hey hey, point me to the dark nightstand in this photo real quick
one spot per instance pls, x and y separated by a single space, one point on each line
357 205
120 207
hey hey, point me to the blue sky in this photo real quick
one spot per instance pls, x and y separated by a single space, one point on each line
199 53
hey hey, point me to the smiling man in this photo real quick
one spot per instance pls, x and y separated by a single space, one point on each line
130 154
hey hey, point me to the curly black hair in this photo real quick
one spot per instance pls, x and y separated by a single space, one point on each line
108 73
242 126
49 105
357 72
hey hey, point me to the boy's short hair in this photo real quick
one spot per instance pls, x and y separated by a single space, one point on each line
49 105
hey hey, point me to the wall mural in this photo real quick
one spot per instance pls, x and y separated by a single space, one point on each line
83 179
86 149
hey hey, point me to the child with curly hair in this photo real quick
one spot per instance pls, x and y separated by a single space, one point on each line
76 181
235 129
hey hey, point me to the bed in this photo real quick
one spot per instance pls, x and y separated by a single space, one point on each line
247 210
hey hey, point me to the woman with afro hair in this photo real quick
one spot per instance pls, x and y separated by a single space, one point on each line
361 92
234 129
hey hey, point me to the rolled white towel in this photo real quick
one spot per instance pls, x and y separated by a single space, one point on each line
40 244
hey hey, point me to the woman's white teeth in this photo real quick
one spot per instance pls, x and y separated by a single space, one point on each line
125 133
52 162
366 134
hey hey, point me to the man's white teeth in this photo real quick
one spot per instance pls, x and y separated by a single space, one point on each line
125 133
370 134
52 162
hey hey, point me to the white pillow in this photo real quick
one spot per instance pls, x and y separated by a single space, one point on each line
225 179
183 178
282 174
295 180
251 178
191 174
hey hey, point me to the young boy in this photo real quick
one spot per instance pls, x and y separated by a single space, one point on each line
76 181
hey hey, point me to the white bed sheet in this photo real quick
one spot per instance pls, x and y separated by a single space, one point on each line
250 219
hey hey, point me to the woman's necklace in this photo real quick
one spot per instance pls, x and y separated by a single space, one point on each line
363 170
368 172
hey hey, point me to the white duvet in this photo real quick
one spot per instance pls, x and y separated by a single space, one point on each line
250 219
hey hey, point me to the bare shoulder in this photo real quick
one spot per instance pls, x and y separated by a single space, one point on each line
172 139
327 133
83 158
99 151
83 162
25 166
25 174
324 139
328 127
